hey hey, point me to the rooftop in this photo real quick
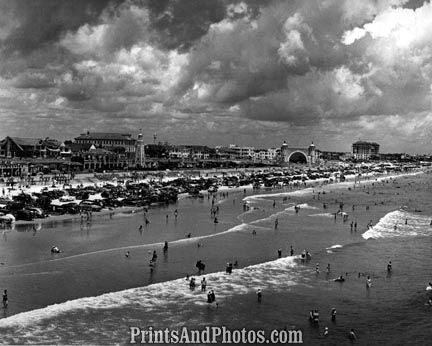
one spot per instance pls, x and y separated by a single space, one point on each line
365 143
105 135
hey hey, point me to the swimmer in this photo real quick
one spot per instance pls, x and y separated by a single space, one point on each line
303 254
259 295
192 283
389 267
326 331
368 282
429 287
352 335
254 232
314 316
340 279
127 254
333 314
5 299
203 284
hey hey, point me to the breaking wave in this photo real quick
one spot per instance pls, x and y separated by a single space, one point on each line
393 225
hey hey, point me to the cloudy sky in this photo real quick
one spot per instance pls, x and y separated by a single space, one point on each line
217 72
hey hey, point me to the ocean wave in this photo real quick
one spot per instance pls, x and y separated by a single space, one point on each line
393 225
300 192
302 206
329 249
276 275
322 215
337 246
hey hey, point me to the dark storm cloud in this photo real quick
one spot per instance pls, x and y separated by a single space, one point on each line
42 22
179 23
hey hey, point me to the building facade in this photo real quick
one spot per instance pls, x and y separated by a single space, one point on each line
98 159
112 142
365 150
20 147
308 155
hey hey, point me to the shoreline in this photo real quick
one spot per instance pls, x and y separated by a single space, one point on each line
222 189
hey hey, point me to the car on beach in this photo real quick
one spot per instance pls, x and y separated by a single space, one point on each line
88 206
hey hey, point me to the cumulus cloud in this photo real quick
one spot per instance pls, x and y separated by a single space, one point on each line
281 67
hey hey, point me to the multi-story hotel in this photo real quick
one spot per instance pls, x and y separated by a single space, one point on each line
112 142
365 150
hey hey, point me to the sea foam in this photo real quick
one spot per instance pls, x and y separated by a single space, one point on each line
277 275
417 225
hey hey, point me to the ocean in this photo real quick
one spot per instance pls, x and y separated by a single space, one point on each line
91 293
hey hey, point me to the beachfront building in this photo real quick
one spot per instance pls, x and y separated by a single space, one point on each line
190 152
234 152
99 159
21 147
365 150
112 142
335 155
268 155
179 152
296 155
21 156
